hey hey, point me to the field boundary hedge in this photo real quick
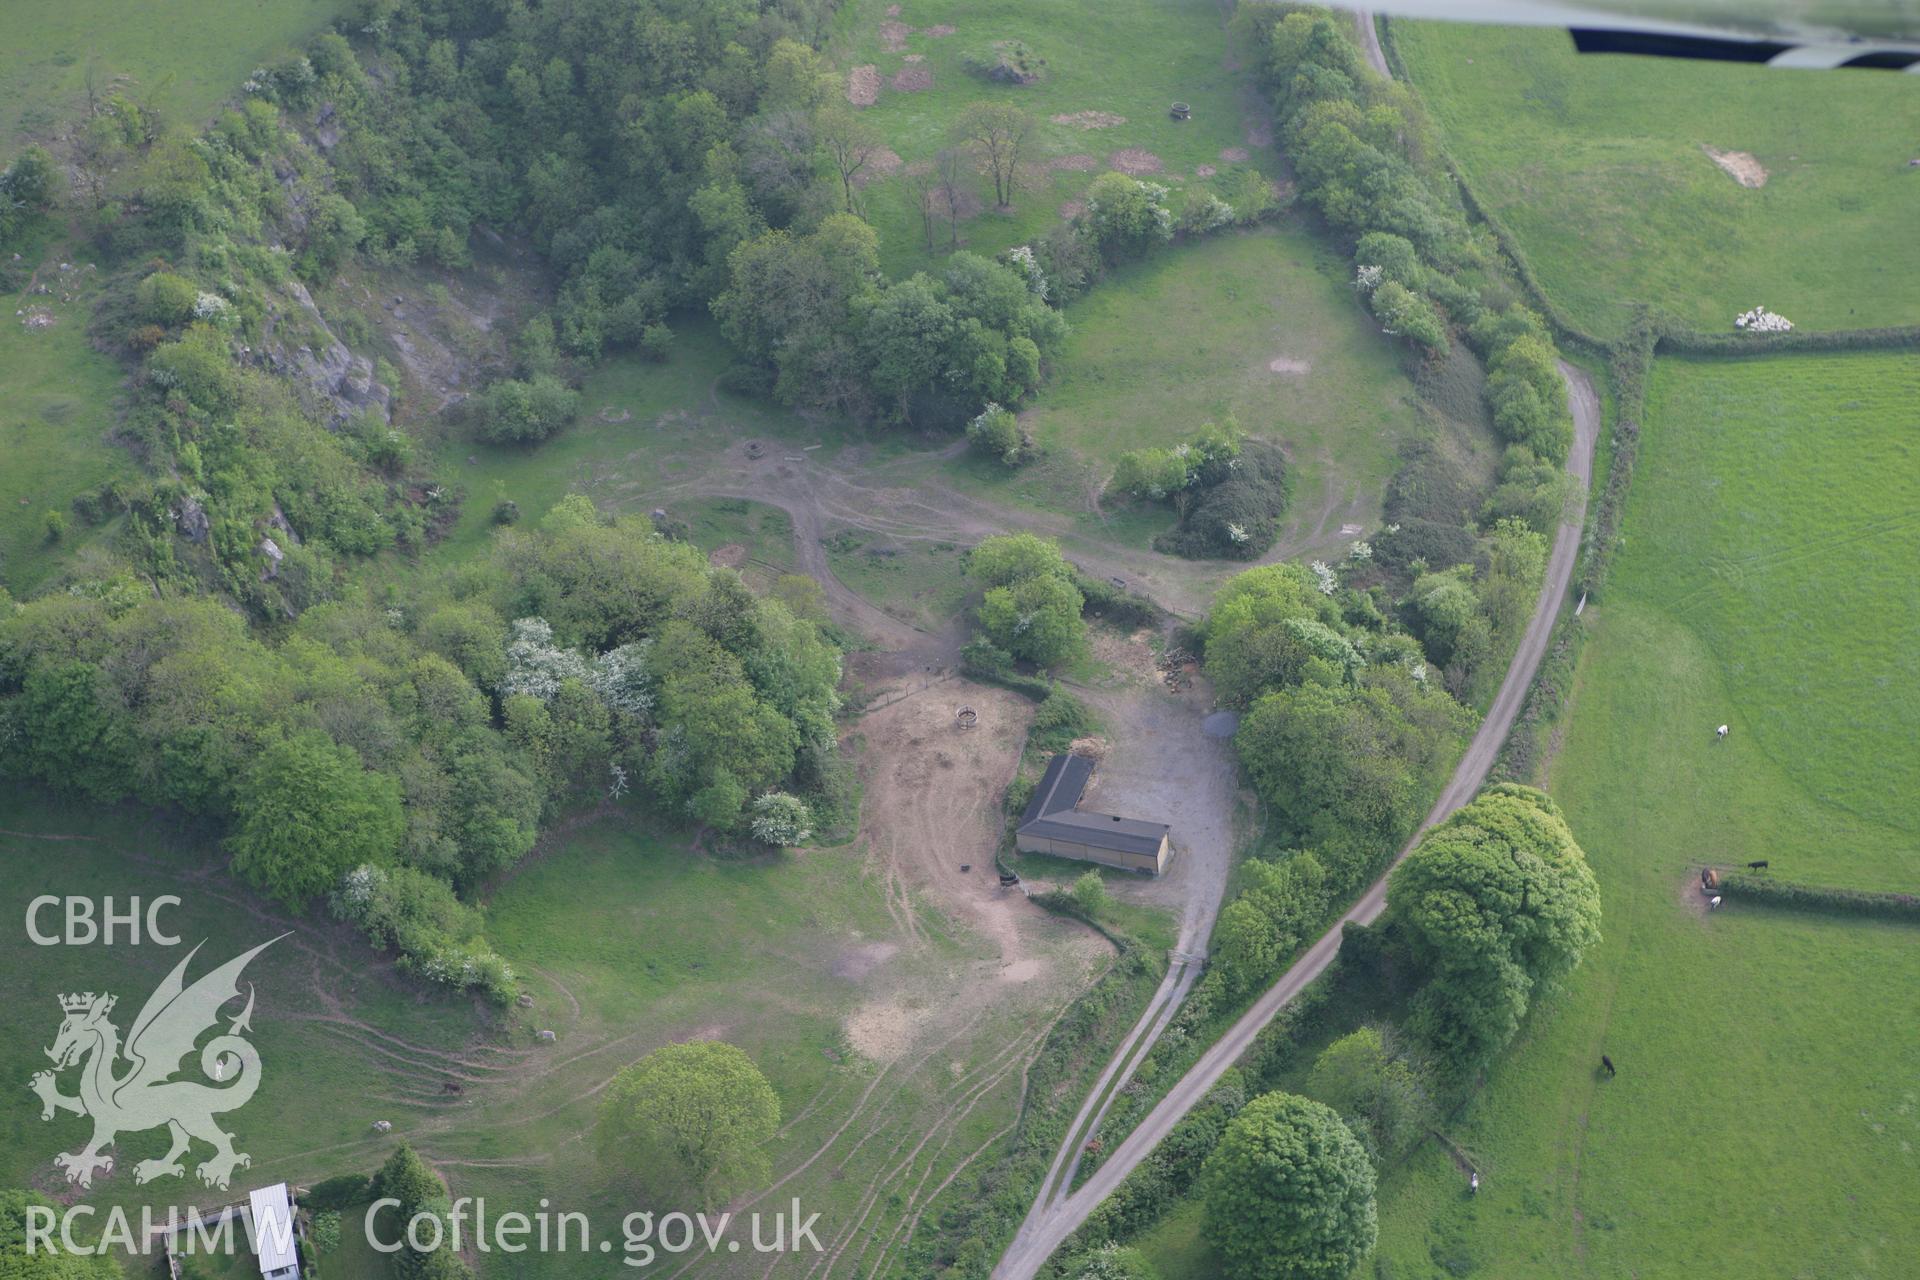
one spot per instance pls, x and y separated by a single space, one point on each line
1824 898
1565 330
1627 370
1675 340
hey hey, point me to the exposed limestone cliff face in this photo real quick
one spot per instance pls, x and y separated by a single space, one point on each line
336 382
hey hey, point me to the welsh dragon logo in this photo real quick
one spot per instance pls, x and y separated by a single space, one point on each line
144 1095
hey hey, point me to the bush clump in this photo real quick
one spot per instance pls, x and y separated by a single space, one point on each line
1006 62
1235 513
997 433
436 935
515 412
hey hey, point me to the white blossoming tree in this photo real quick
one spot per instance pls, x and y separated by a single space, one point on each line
621 679
535 665
1022 259
782 820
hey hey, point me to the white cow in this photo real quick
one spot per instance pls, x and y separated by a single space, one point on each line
1722 732
1713 903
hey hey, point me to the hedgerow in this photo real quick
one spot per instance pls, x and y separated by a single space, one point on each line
1814 897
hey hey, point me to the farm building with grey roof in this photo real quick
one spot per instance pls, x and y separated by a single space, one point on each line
1054 823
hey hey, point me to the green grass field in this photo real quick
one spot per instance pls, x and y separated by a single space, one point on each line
182 58
1134 62
1766 1118
1597 165
923 584
1191 335
643 427
749 536
323 1005
54 421
1777 516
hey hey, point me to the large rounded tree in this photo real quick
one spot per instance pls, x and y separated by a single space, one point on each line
308 812
1498 901
690 1119
1289 1193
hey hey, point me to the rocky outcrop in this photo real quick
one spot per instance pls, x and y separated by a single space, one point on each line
192 519
337 383
278 522
326 129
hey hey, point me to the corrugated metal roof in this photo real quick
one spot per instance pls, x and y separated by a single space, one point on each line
1101 830
1060 787
272 1209
1051 814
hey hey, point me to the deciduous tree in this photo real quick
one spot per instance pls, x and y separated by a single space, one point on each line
1498 901
997 131
1010 557
1037 619
309 811
690 1119
1289 1193
850 143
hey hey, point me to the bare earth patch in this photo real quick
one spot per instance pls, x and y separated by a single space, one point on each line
1258 133
611 414
893 11
914 57
1287 364
893 35
1738 165
1090 119
730 556
857 961
1235 155
882 1031
913 79
39 318
1204 171
938 30
965 204
1079 162
1071 209
1692 900
863 85
884 162
1130 656
1021 971
1134 161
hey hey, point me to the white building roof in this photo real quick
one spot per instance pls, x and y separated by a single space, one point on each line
272 1210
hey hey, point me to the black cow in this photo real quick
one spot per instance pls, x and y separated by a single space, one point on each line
1606 1064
